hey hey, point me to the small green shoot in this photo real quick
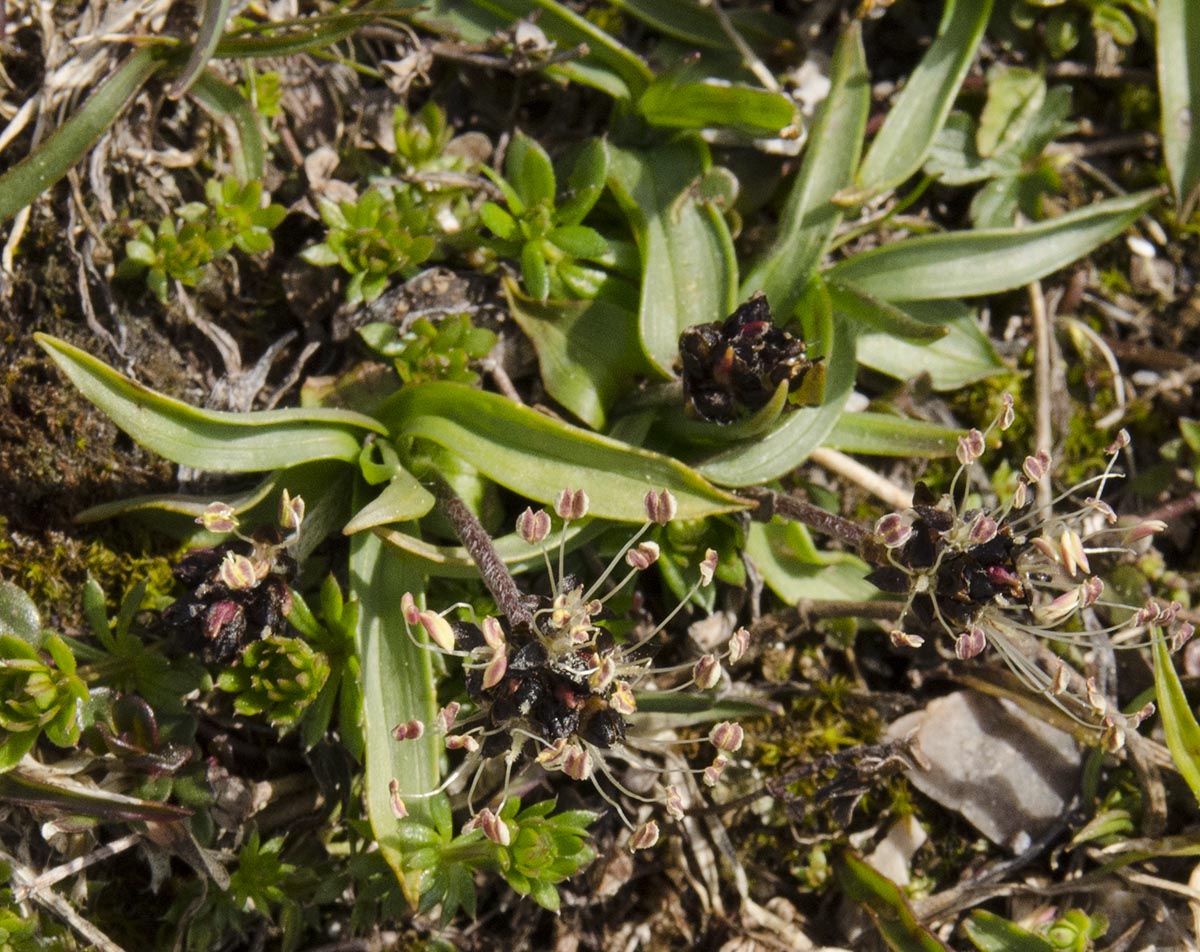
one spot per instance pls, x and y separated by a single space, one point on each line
428 351
545 233
1006 147
542 849
235 215
387 231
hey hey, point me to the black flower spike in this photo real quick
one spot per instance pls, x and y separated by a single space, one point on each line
555 689
1001 577
735 366
218 619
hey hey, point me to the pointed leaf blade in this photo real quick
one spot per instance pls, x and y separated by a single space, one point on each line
538 457
1178 721
53 158
397 686
209 439
965 264
810 216
921 109
1179 91
689 272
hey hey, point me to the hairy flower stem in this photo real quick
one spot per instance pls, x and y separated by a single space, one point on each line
478 543
770 502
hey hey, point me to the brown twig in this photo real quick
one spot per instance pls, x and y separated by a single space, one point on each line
478 543
770 502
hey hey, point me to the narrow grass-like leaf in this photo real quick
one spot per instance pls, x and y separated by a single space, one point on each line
697 25
989 932
65 795
689 272
1179 91
212 22
704 105
885 904
1178 721
913 122
538 457
208 439
795 569
963 356
607 65
879 315
189 507
246 148
50 161
397 686
323 484
402 500
286 38
588 351
690 710
809 215
963 264
881 434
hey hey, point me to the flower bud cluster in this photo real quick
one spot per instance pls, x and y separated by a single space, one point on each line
237 591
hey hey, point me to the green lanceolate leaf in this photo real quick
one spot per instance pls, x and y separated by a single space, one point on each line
261 40
809 215
795 569
246 148
878 315
588 351
402 500
397 686
704 105
209 439
882 434
212 22
885 904
46 790
1178 721
963 264
913 122
50 161
689 273
962 356
1179 90
323 484
990 933
538 457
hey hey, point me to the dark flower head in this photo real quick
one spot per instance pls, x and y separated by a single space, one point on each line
736 366
559 692
237 592
985 576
